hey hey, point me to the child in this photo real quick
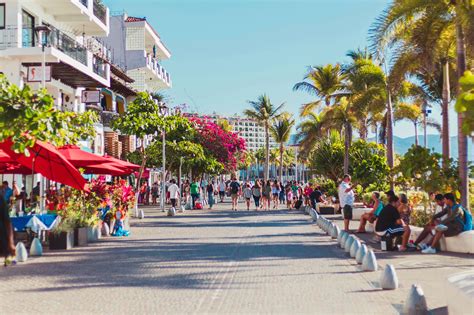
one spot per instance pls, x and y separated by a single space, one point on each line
247 195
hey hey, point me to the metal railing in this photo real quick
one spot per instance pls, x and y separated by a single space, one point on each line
14 37
100 11
84 3
99 67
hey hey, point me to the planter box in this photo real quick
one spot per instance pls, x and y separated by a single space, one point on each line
80 236
326 210
63 240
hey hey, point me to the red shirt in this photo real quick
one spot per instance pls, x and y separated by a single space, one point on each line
308 191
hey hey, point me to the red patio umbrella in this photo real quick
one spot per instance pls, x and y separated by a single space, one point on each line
106 169
14 168
48 161
81 158
121 163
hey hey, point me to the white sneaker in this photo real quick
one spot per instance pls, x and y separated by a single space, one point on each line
429 250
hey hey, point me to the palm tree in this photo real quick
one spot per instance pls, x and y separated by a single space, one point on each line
321 81
281 130
413 113
264 112
309 130
341 116
393 28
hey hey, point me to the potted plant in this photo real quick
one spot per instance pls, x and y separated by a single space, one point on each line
62 236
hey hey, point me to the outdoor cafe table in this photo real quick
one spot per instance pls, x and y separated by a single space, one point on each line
36 223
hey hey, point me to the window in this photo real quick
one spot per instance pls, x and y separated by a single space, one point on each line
2 15
28 22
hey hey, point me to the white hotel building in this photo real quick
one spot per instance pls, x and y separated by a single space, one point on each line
82 49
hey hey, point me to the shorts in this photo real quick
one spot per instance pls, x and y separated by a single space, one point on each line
173 202
222 193
248 199
234 196
454 229
347 212
396 230
275 194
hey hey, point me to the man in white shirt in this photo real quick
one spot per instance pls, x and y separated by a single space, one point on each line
222 189
173 189
346 199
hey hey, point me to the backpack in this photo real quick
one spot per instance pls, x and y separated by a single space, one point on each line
234 187
467 224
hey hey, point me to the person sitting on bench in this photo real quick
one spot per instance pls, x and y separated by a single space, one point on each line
372 215
451 226
390 223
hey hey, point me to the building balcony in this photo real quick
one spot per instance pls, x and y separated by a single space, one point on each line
71 62
107 117
142 67
89 16
158 70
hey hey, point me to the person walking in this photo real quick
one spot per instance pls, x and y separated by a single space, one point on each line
194 188
275 194
346 198
7 245
210 193
154 193
173 191
247 195
235 192
257 194
222 189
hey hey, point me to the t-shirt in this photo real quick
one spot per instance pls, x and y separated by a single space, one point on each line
308 191
247 193
7 194
387 218
234 187
316 195
294 188
222 186
194 188
256 191
345 198
174 191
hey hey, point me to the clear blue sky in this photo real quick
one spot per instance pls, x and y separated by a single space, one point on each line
225 52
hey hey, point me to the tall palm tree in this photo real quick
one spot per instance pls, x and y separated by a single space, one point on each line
322 82
281 130
401 16
264 112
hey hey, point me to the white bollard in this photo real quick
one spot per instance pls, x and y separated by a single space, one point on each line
313 214
389 279
171 212
361 253
36 248
141 214
21 253
416 302
348 244
339 235
105 229
354 248
344 239
97 233
370 262
335 232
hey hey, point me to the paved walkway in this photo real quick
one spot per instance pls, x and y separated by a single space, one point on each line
215 262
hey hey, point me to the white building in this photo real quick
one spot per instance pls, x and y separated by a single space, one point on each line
249 129
59 33
138 49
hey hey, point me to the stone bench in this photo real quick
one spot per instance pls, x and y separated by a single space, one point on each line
460 293
462 243
358 212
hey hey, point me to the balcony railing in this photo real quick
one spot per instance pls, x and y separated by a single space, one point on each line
100 11
99 67
68 45
153 64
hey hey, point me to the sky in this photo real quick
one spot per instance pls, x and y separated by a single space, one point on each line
227 52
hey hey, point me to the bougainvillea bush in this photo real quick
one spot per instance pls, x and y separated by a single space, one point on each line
225 146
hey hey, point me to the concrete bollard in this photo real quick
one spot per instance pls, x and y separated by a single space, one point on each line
105 229
354 248
416 302
348 244
361 253
141 214
97 233
339 235
21 253
344 239
335 232
389 279
314 214
36 248
171 212
369 263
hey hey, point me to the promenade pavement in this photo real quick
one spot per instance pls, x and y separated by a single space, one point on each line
216 261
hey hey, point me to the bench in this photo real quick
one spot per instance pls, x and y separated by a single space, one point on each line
460 293
462 243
